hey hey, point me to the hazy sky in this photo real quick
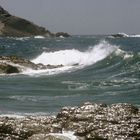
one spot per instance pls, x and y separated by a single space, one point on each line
80 16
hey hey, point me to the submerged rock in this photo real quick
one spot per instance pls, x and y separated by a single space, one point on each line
89 121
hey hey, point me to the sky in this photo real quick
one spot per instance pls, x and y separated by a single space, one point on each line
79 17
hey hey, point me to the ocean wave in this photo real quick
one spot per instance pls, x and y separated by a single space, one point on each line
54 71
25 98
75 57
65 61
72 59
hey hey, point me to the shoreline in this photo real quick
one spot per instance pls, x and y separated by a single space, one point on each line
88 121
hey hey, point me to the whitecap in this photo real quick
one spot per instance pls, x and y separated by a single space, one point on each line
134 36
76 57
39 37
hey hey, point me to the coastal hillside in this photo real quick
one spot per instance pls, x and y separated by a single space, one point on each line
17 27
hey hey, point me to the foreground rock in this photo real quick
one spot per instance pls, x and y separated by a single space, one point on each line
88 122
13 64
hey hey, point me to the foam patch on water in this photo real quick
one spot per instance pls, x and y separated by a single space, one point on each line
123 54
36 73
134 36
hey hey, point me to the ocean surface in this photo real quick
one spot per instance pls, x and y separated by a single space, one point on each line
97 69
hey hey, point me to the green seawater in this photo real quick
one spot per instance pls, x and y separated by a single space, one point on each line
96 69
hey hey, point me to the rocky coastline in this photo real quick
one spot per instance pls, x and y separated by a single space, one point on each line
13 26
14 64
89 121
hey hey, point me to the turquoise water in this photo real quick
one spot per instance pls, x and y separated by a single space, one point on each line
96 68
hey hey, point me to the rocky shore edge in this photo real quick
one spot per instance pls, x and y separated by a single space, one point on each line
14 64
13 26
89 121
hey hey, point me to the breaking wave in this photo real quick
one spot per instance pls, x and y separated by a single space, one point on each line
75 57
72 59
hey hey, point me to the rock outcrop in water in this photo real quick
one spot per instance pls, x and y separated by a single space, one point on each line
13 26
88 122
8 69
62 34
120 35
14 64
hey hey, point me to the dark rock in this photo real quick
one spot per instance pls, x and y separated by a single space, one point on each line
13 26
62 34
8 69
18 27
119 35
53 66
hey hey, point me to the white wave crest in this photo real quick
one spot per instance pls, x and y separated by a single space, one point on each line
76 57
134 36
73 59
39 37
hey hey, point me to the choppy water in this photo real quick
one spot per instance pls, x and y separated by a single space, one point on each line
96 69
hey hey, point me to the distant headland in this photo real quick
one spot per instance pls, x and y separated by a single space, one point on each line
13 26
